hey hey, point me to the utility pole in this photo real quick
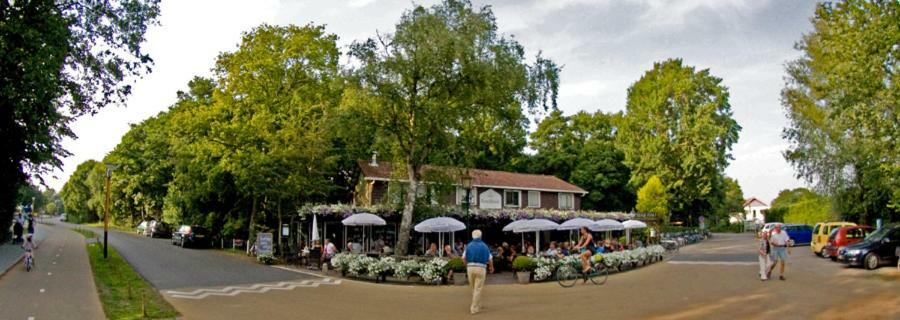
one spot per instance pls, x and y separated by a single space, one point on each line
109 168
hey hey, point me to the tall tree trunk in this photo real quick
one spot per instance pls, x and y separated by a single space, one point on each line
250 231
408 207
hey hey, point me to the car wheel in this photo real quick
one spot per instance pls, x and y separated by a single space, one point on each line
871 261
834 258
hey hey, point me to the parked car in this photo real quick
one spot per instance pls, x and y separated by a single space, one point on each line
142 227
158 229
769 226
799 233
878 248
842 237
822 231
63 217
190 236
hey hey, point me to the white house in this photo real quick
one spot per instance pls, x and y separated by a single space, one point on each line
754 210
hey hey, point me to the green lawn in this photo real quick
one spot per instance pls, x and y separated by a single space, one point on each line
121 289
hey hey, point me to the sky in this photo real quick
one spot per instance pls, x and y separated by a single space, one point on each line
604 46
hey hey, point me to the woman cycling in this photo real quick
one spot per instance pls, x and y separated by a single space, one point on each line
586 245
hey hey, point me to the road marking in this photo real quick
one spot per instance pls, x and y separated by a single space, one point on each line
54 262
42 290
256 288
724 263
30 318
49 273
300 271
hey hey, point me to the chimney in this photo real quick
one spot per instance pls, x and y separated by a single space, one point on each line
374 162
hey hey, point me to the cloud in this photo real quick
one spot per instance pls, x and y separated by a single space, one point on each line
359 3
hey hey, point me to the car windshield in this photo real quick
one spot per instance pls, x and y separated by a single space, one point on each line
878 234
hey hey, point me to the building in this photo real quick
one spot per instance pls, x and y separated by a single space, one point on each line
487 189
754 211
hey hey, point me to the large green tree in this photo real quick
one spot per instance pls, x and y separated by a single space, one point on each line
441 69
801 205
581 149
679 126
652 198
60 60
841 99
80 194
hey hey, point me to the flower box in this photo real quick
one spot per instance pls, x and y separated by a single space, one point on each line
523 277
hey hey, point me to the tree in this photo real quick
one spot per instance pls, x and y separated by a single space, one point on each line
581 149
442 68
679 126
840 98
732 202
652 198
79 199
60 60
802 206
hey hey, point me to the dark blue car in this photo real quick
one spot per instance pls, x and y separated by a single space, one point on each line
800 233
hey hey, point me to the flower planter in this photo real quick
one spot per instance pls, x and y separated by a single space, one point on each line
460 279
523 277
414 278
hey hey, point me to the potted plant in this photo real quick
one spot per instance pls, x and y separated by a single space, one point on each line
458 266
523 266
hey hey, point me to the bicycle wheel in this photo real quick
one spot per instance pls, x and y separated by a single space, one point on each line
567 275
599 274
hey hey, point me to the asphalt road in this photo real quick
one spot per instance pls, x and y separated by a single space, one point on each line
715 279
171 267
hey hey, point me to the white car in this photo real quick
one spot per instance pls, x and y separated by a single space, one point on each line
771 225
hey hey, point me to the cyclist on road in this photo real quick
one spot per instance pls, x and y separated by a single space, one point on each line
586 245
29 247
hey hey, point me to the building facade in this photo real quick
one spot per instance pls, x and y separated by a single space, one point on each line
486 189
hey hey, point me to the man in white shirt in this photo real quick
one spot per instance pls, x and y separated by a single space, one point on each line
779 242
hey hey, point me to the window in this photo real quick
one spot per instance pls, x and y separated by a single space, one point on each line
461 196
534 199
511 198
566 201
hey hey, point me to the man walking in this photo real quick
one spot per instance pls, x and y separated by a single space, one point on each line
779 242
479 262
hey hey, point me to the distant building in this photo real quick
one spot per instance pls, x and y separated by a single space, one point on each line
754 211
489 189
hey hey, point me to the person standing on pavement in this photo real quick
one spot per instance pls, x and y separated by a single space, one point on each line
479 263
764 251
779 242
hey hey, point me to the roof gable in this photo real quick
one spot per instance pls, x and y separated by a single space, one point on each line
754 202
483 178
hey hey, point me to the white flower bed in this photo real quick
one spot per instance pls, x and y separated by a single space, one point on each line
405 268
383 266
342 260
545 268
360 265
433 270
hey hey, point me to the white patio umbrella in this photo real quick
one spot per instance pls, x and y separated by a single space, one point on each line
632 224
575 224
362 220
512 226
536 226
315 229
440 225
607 225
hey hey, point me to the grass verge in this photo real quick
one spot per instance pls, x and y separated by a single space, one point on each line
123 292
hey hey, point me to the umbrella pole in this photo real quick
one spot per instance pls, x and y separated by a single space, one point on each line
537 242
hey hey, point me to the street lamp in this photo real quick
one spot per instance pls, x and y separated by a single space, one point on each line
109 168
467 184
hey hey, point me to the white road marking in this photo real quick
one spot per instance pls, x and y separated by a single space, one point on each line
54 262
724 263
30 318
42 290
300 271
49 273
256 288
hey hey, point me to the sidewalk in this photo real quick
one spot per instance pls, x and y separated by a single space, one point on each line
61 286
11 254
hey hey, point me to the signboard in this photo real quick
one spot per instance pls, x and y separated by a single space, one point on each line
285 230
490 199
264 243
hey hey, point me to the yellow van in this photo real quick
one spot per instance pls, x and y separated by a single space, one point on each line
821 232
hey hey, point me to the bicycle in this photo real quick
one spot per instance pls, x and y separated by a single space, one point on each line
29 262
567 274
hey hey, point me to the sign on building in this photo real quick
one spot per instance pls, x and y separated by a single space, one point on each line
490 199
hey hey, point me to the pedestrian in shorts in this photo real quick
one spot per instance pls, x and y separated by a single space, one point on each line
779 241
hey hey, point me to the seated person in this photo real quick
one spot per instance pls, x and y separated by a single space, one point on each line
448 252
513 253
551 251
564 250
432 250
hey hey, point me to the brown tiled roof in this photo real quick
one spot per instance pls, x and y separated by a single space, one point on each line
483 178
751 200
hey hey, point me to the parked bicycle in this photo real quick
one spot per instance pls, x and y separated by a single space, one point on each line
568 273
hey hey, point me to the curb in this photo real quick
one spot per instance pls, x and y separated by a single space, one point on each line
16 262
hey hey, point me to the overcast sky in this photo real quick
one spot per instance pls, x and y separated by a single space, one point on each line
604 46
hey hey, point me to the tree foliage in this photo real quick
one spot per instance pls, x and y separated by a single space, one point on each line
679 126
60 60
443 69
653 198
841 99
802 206
581 149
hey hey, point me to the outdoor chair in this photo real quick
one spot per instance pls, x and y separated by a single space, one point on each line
315 259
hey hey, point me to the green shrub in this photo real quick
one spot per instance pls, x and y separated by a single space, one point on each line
524 263
457 265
